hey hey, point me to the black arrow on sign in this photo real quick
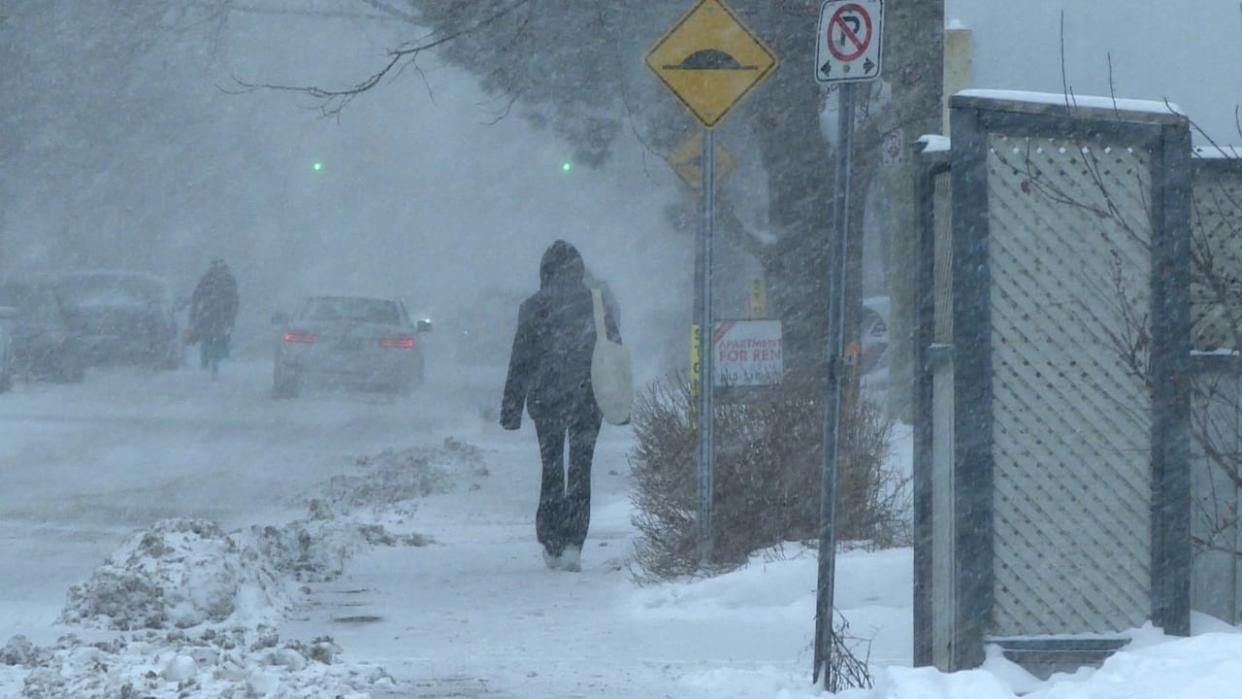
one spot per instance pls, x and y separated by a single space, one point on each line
868 66
826 69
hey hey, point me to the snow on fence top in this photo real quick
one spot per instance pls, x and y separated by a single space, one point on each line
935 143
1146 109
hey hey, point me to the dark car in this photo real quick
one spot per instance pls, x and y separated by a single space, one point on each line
121 318
40 339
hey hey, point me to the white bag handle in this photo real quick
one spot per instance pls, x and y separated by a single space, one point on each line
601 329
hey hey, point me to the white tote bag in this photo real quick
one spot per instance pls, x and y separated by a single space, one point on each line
612 377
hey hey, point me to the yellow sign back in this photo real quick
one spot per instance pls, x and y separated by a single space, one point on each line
687 161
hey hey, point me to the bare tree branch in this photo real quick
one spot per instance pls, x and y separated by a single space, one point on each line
334 101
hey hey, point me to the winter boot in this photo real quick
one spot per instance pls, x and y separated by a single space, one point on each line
571 560
551 561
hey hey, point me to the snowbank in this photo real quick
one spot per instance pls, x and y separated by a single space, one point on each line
1151 667
230 588
210 665
184 573
395 476
178 574
873 595
317 550
782 583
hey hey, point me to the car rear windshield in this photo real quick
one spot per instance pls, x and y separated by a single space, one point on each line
102 291
352 309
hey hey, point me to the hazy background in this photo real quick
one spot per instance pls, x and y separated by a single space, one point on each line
122 149
151 165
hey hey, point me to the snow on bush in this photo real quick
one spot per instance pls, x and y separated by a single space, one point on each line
177 574
213 664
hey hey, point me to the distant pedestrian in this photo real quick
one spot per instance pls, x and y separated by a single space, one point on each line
550 376
213 312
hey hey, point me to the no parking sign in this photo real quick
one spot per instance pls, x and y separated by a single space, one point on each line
850 41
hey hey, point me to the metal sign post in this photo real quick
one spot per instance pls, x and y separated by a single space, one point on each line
710 61
849 52
836 374
706 359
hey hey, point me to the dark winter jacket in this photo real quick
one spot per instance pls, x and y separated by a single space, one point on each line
550 366
213 308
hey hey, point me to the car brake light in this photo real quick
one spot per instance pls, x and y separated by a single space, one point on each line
298 338
397 342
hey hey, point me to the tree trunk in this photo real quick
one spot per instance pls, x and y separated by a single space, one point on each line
914 65
798 160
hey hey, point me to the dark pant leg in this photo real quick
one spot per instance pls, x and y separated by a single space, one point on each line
582 435
548 526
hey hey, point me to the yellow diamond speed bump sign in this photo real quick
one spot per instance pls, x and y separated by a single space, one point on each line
711 61
687 161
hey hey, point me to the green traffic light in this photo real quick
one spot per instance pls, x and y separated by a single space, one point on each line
567 166
317 166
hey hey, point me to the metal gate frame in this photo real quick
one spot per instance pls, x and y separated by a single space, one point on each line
1211 163
929 166
1167 138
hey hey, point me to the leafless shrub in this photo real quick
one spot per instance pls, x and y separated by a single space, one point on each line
849 663
767 478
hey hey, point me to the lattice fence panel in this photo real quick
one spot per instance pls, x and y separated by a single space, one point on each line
1070 256
1216 289
1216 426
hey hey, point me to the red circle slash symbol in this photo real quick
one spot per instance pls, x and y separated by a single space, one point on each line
841 20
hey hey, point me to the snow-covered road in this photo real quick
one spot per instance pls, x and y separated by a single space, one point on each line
85 465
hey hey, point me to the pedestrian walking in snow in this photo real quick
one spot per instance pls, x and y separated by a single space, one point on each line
550 376
213 311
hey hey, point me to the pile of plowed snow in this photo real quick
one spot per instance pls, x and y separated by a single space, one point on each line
199 602
317 550
177 574
183 573
399 476
212 664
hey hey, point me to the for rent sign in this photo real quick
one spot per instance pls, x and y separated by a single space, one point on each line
748 353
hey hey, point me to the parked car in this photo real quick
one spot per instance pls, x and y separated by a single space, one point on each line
121 318
348 341
41 343
8 368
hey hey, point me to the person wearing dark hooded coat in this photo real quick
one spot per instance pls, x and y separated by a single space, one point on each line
550 376
213 311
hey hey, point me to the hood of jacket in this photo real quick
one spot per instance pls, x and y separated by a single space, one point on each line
561 266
